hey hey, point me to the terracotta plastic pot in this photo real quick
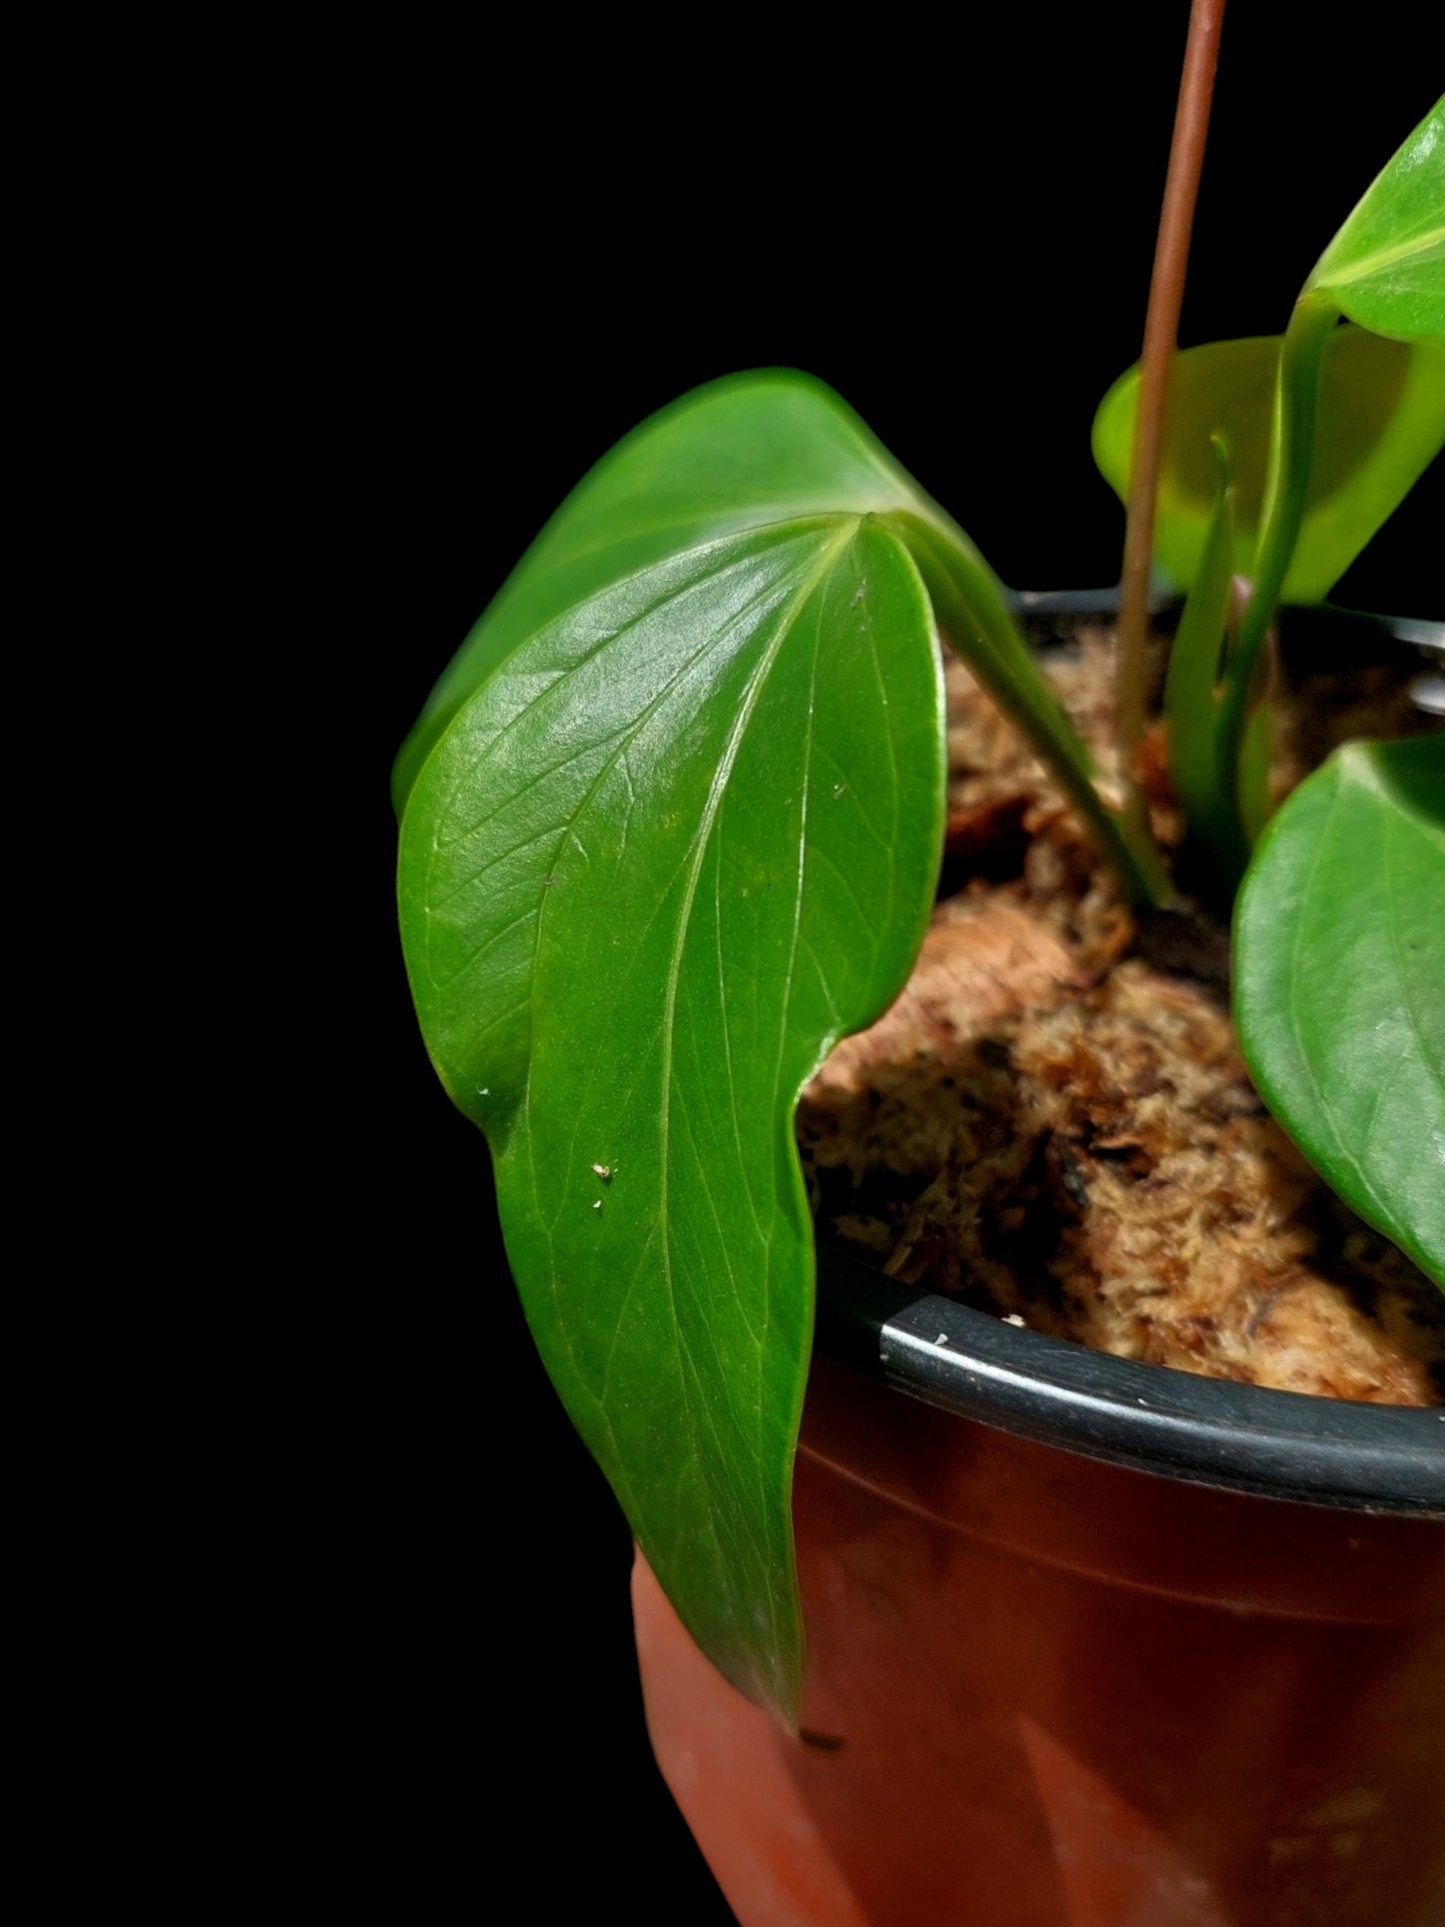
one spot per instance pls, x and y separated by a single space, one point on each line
1090 1644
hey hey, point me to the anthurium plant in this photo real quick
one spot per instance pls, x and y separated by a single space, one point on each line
671 827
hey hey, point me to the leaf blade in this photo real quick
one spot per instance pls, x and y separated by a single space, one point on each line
1381 422
1385 268
679 841
1349 1052
748 450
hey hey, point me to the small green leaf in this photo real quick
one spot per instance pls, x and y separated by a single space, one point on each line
1386 266
680 840
1381 421
1340 982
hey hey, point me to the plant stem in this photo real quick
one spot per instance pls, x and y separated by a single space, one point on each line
1161 331
1286 491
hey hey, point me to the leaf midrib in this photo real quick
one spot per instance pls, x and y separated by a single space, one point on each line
716 791
1360 269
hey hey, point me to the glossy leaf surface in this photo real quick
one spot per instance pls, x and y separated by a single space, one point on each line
1386 266
747 452
671 827
737 454
683 838
1381 421
1340 982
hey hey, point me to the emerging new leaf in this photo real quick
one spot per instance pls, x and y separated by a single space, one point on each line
1381 421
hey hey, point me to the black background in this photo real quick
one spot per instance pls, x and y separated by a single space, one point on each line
500 259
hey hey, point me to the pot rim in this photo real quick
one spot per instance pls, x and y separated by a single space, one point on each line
1178 1425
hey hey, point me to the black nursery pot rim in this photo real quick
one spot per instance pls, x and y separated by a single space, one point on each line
1246 1438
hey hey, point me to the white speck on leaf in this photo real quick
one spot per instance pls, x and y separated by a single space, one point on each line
1422 150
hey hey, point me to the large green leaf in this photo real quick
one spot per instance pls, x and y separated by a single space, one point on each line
1381 421
736 454
1340 982
1386 266
743 453
678 842
671 827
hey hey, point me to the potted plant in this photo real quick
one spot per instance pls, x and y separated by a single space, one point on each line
807 535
